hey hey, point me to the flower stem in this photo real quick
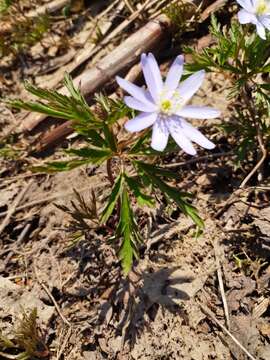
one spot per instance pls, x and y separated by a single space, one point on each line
109 171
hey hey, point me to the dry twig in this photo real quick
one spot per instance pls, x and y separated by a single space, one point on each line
259 164
211 315
14 206
221 285
200 158
64 344
55 304
64 319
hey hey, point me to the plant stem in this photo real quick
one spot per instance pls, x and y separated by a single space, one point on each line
251 107
260 162
109 171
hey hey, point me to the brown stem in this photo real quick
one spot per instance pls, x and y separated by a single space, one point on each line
260 162
132 139
259 137
109 171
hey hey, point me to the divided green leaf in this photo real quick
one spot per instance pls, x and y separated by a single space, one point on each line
127 230
116 191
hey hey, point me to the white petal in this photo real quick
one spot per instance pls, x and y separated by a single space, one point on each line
195 135
176 131
246 17
160 135
134 90
260 30
174 74
138 105
140 122
265 20
198 112
189 86
247 5
152 75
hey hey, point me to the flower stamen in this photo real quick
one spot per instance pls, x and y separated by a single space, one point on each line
261 7
166 106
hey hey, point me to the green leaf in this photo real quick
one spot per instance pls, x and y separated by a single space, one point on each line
113 109
152 169
109 137
5 4
93 155
91 136
57 166
127 228
126 251
75 93
116 191
141 147
142 199
178 197
265 86
138 145
53 103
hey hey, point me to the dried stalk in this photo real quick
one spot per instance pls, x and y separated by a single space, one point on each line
211 315
259 164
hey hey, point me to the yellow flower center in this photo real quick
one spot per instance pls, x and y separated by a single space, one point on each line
261 7
166 106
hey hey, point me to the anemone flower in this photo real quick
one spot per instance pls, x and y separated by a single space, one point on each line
256 12
163 105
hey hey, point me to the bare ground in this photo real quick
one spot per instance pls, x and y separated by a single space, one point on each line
191 296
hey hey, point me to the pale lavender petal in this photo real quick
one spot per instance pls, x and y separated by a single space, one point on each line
247 5
152 75
138 105
265 20
246 17
189 86
176 131
174 74
195 135
134 90
260 30
140 122
198 112
160 135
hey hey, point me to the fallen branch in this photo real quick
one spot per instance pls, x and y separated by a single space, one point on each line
212 8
